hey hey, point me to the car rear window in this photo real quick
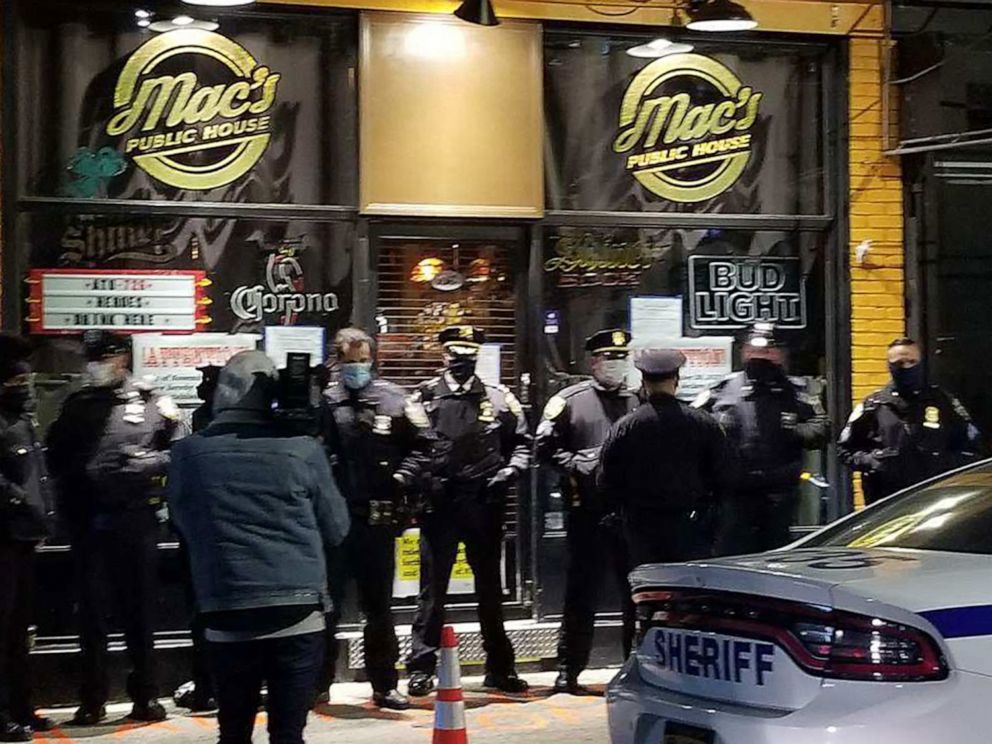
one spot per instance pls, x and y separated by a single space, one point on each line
954 515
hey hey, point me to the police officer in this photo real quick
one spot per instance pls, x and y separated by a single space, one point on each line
908 431
770 419
664 466
198 694
379 444
482 447
573 428
109 451
25 515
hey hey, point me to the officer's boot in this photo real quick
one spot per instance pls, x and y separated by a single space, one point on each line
421 684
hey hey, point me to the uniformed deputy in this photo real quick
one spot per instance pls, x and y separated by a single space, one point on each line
770 419
379 443
482 446
908 431
664 466
25 519
109 451
573 428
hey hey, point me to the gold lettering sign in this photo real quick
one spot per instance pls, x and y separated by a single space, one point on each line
186 134
685 126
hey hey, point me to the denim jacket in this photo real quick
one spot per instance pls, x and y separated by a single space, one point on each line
256 505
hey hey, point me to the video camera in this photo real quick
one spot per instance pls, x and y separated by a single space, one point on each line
297 401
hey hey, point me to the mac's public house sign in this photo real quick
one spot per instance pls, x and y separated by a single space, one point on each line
685 127
193 109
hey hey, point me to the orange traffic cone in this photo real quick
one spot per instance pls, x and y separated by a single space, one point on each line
449 705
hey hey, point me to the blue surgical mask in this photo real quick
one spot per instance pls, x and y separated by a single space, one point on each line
356 375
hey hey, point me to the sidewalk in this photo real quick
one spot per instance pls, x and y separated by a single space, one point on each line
536 717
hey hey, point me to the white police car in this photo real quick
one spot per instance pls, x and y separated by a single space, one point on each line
875 630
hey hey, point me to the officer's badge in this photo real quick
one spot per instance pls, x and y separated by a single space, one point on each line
554 408
486 412
465 332
619 339
382 425
789 420
931 417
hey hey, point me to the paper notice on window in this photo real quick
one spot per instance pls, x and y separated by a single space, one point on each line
281 340
488 367
173 361
653 319
406 582
708 360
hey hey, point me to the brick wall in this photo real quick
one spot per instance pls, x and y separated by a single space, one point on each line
877 284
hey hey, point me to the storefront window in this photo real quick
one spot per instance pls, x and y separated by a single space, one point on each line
233 108
733 128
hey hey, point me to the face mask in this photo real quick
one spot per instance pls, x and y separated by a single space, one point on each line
17 398
104 374
356 375
462 369
611 373
762 370
908 380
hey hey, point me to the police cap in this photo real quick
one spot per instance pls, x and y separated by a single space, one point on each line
462 339
610 340
99 344
764 336
209 372
659 362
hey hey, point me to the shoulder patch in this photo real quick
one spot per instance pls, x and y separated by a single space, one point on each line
416 413
167 408
959 409
857 413
554 408
513 404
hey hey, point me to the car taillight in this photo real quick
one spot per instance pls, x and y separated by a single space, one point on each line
825 642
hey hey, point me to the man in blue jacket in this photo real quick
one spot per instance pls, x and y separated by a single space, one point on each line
256 505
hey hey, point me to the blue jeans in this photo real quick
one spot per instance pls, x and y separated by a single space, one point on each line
289 666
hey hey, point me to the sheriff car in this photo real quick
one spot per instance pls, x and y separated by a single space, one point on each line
875 630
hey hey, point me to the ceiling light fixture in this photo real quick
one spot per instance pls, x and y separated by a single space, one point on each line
719 16
182 22
142 14
220 3
659 48
144 23
479 12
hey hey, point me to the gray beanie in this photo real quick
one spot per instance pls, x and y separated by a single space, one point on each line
247 382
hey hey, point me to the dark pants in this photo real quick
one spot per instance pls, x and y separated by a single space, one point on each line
755 522
368 556
480 527
202 682
594 551
288 666
664 537
117 566
16 600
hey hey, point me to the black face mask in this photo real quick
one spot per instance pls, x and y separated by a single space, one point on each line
763 370
17 398
907 380
462 369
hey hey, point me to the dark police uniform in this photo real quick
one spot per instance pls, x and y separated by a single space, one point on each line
26 508
480 430
896 440
770 419
109 452
663 467
573 428
372 435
